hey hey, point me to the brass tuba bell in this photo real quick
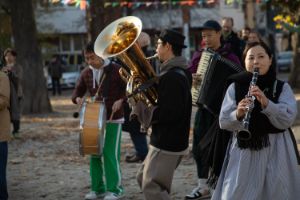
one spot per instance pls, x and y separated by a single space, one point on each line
119 39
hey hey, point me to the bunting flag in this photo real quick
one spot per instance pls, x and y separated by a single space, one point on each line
82 4
137 4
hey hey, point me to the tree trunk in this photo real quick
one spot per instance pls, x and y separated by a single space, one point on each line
294 75
36 98
100 17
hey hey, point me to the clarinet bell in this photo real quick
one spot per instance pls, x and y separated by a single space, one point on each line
244 134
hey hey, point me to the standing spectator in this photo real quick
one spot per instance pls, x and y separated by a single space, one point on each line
265 166
133 126
254 37
170 120
15 74
245 34
4 131
55 71
230 37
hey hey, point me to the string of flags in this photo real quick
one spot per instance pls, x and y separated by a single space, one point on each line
84 4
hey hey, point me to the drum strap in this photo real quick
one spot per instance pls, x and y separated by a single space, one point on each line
106 83
100 84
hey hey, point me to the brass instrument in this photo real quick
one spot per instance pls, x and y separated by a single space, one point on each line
119 39
245 134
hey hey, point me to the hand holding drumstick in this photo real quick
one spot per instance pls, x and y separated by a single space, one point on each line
116 106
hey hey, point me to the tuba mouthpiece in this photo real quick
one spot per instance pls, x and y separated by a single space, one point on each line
152 57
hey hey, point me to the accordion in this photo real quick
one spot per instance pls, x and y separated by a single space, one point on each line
213 70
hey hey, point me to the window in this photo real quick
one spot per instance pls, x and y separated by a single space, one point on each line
65 43
78 42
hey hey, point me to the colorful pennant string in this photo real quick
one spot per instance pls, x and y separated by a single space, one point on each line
84 4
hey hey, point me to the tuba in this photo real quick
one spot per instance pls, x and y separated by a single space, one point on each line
118 39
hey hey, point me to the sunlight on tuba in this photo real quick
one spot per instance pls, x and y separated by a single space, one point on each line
119 39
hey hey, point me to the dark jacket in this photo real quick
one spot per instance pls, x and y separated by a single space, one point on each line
112 89
171 118
55 69
235 43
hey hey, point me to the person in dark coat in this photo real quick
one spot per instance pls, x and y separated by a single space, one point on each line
55 71
170 119
231 38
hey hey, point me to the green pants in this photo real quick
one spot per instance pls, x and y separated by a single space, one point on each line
105 170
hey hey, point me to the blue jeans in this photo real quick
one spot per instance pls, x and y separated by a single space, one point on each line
139 139
3 163
133 126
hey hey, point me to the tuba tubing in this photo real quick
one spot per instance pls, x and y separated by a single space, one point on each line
118 39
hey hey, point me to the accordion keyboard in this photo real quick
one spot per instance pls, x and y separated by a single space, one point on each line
203 65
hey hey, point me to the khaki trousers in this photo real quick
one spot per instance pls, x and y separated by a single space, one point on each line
156 174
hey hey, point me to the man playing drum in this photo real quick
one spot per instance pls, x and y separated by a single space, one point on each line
102 77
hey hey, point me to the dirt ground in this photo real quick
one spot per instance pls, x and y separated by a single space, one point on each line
45 162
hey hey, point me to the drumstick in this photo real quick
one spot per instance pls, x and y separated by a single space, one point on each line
76 114
111 116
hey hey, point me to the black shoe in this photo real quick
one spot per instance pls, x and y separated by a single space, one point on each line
134 159
129 156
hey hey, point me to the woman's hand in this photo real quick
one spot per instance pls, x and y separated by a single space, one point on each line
242 108
260 96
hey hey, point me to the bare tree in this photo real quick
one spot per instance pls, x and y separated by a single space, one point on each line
29 56
99 17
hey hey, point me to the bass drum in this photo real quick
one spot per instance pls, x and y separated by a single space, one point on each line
92 128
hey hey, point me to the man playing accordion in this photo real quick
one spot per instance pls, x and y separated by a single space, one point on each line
211 35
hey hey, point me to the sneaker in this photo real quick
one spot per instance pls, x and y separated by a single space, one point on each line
112 196
17 135
93 195
198 193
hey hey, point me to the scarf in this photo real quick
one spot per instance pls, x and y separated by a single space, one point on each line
259 125
178 61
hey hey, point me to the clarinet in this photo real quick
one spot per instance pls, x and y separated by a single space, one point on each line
245 134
